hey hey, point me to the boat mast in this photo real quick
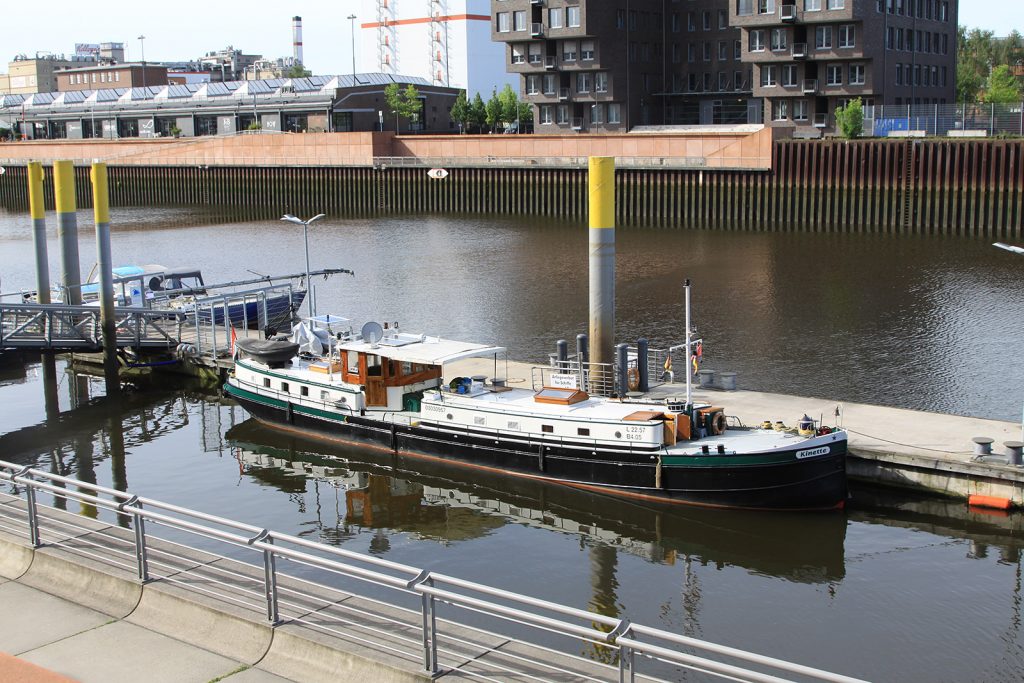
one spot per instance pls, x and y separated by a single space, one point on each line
686 361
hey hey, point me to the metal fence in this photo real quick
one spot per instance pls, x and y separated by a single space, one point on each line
56 326
941 120
632 644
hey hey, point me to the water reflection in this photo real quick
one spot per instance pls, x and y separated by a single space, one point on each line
432 502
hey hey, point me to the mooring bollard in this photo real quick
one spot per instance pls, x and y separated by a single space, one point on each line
982 446
1014 452
728 381
707 378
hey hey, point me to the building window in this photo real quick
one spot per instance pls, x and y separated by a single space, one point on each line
533 85
706 20
789 75
546 115
780 110
737 77
614 115
823 38
836 4
563 114
503 23
766 6
767 76
572 16
691 21
756 40
583 83
707 51
833 75
549 84
597 113
744 7
517 55
519 18
847 35
799 110
723 19
899 74
600 82
857 74
535 54
587 50
812 5
569 51
723 81
555 17
778 39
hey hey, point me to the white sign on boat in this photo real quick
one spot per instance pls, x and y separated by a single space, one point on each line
437 173
2 170
560 381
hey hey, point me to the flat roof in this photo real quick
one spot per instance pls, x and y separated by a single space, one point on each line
424 350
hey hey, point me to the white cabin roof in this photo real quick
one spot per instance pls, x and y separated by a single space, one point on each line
421 349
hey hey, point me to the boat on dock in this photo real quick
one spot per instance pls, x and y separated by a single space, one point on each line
577 425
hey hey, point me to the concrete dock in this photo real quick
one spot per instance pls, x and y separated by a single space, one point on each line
928 452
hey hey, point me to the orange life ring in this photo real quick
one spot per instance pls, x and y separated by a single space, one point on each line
633 379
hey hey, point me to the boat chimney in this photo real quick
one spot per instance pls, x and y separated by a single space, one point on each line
602 259
689 351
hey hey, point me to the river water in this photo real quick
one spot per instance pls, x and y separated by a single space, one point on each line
894 589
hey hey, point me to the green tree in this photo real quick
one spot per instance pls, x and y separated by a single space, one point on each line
850 119
298 71
1002 86
509 105
493 110
478 113
403 103
460 111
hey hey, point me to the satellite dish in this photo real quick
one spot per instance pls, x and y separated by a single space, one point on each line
437 173
372 333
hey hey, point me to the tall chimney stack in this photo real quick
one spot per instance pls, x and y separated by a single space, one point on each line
297 39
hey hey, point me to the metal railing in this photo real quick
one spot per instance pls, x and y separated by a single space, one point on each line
57 326
625 639
562 162
966 120
214 317
597 379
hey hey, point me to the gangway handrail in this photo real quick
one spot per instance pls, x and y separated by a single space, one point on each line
432 587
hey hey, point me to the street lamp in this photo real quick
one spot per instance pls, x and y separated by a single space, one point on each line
142 48
352 27
1016 250
305 238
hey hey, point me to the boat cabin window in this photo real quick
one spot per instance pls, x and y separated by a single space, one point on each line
266 382
284 387
325 395
547 429
353 362
373 366
304 391
583 431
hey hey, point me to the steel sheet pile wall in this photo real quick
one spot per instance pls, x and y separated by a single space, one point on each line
963 187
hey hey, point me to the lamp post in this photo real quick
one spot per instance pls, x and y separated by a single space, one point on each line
142 48
305 238
1015 250
352 31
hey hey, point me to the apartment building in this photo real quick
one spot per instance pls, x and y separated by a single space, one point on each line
810 57
612 65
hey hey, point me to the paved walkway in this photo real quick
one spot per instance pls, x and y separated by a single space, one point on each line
56 641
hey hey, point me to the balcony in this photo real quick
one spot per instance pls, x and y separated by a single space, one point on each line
550 62
537 30
821 120
563 94
799 50
577 123
787 13
810 86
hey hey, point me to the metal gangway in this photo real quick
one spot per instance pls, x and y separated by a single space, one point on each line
60 327
433 622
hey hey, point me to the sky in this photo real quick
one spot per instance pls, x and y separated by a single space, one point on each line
186 31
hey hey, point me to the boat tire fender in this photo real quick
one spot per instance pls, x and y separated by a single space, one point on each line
716 423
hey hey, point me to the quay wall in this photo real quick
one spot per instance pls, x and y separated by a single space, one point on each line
969 188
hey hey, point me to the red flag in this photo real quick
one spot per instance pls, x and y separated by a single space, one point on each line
233 340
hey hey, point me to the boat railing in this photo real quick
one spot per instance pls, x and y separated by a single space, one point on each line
211 316
427 612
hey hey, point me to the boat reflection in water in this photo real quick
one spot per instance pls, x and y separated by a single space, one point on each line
382 491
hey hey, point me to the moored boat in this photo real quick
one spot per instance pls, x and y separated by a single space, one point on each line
391 389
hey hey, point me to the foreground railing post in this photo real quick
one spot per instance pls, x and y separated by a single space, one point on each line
30 501
141 560
627 662
429 631
269 575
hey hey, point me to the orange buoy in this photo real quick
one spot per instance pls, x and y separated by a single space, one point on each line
989 502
